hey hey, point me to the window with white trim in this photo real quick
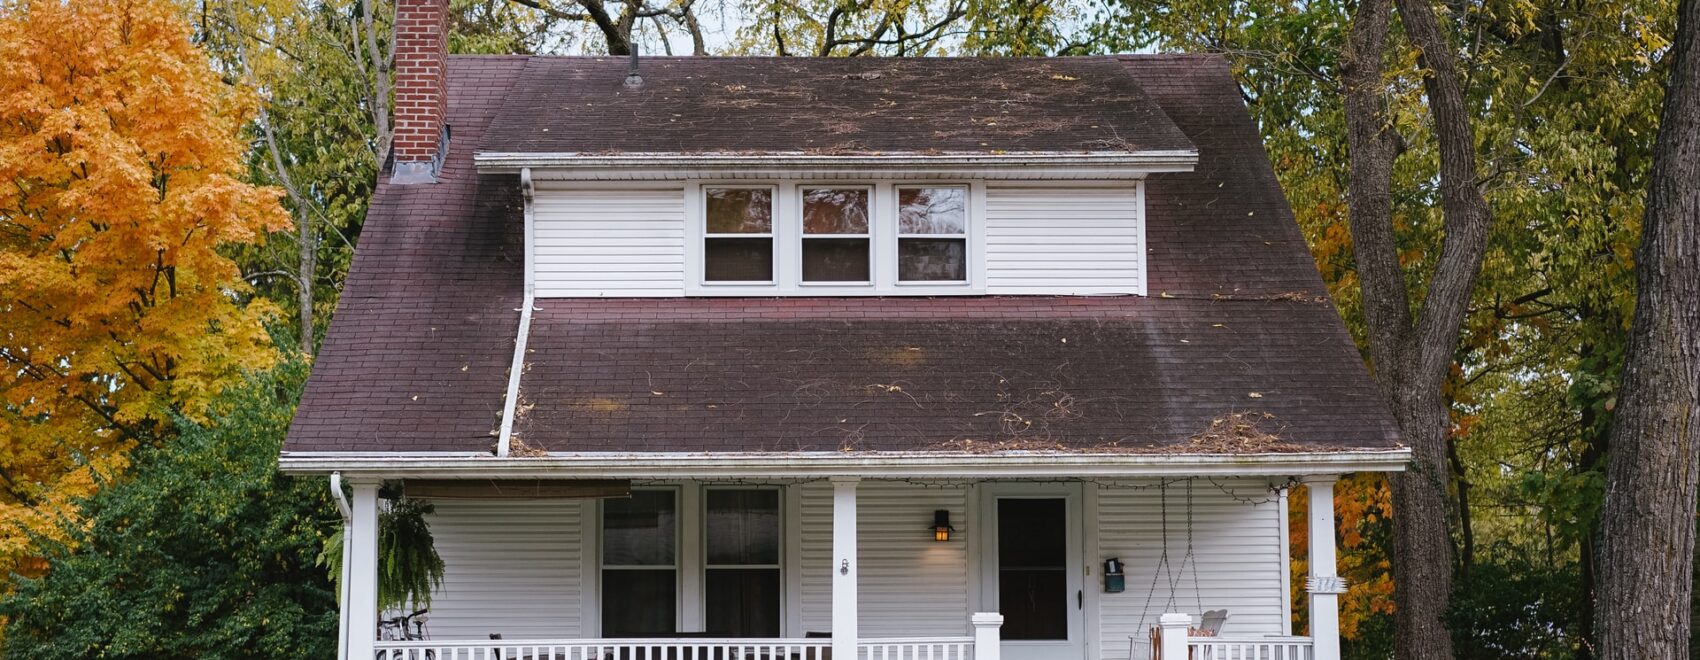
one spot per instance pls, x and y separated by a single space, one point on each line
932 234
741 573
640 571
736 575
836 243
738 235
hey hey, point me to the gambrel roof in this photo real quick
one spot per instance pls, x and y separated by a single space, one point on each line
1237 323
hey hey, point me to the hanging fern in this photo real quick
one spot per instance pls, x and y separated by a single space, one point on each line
409 568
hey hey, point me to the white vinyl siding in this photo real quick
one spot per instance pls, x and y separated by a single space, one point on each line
609 242
911 585
510 567
1236 564
1064 240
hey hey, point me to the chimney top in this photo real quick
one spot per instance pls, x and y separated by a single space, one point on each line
421 132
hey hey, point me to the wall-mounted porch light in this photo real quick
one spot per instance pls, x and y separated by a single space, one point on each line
941 525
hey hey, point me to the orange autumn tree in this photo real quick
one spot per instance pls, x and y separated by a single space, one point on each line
1362 508
120 178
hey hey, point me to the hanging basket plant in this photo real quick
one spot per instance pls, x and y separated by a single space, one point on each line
409 568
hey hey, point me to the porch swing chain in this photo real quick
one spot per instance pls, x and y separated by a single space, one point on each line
1162 557
1163 563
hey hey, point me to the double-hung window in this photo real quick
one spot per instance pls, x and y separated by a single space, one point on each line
741 574
835 235
735 578
640 572
932 234
738 235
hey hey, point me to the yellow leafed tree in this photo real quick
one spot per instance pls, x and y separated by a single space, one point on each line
120 163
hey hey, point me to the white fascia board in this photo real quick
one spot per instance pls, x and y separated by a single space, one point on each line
580 165
873 465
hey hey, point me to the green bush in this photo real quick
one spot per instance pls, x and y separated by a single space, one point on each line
206 551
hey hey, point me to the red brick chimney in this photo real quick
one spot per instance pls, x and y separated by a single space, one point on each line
421 94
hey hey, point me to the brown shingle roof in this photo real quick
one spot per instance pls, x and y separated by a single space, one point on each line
697 105
416 357
892 374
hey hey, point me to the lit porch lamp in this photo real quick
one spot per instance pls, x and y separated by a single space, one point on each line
941 525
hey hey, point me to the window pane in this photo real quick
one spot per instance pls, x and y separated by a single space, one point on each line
638 531
638 603
932 259
739 210
737 259
932 210
743 602
835 211
835 260
743 527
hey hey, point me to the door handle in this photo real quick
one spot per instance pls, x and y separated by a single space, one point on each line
1080 599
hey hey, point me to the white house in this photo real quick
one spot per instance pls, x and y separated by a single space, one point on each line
882 359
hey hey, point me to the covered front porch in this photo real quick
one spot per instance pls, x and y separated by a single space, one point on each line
868 567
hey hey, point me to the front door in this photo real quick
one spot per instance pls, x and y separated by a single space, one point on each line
1032 568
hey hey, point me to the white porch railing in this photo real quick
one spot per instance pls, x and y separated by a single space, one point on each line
609 649
1250 648
908 648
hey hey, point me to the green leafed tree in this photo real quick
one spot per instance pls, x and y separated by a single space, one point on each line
207 552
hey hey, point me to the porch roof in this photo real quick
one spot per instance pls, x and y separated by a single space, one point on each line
1083 374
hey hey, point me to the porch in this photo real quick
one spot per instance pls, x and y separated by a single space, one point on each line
861 568
941 648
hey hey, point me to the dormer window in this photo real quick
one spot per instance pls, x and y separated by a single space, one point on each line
932 234
836 239
737 241
833 237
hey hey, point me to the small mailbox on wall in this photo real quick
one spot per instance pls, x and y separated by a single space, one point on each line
1115 581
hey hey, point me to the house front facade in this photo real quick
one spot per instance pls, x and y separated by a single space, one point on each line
883 359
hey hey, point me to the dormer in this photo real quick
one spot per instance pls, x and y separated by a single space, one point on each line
931 177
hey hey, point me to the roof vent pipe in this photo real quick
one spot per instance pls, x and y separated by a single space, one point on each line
632 77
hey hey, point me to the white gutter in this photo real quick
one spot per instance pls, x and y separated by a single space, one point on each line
873 465
509 162
517 368
342 582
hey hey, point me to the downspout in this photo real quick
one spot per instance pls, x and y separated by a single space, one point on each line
342 595
505 440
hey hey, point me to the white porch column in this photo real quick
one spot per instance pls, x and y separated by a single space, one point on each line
988 639
1174 629
362 570
844 568
1324 584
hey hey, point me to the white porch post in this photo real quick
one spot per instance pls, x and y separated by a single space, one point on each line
362 571
988 640
1174 629
1324 584
844 568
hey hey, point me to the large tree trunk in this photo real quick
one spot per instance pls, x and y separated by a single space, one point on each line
1413 357
1646 542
